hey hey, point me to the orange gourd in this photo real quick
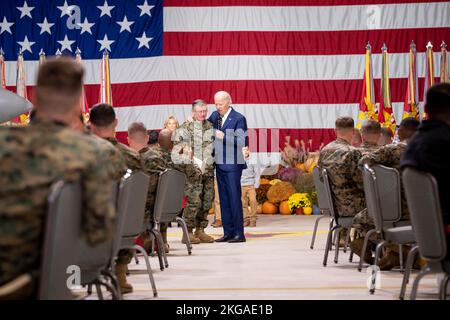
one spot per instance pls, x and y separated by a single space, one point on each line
269 208
284 208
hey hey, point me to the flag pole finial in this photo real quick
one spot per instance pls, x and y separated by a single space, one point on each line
42 53
368 46
413 45
429 45
443 45
78 51
384 47
58 52
20 51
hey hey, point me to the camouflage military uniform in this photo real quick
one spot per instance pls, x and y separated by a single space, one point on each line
389 156
197 138
132 162
32 159
367 147
153 163
341 161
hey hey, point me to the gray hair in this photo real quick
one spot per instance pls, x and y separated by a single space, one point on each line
198 102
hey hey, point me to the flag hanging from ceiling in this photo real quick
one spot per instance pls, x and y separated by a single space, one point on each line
291 66
2 70
385 115
445 72
105 81
411 106
429 77
367 109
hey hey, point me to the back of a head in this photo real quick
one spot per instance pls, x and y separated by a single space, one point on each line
58 87
407 128
153 137
438 102
102 115
138 132
370 130
345 127
165 139
386 136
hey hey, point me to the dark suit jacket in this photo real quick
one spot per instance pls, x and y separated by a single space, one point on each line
228 152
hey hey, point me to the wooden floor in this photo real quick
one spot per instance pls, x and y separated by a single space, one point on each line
275 263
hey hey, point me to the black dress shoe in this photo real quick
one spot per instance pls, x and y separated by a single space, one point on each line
237 239
223 239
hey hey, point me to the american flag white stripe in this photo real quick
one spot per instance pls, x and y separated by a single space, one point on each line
179 68
310 18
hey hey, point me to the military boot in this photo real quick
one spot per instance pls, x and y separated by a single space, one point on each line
193 238
357 245
166 244
125 287
204 238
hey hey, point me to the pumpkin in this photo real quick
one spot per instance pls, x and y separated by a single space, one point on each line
263 181
284 208
307 211
269 208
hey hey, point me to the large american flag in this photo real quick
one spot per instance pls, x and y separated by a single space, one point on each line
291 66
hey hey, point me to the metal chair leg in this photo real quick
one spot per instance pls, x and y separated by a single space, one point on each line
160 256
149 268
328 245
136 259
114 282
364 248
89 289
337 240
115 295
375 267
415 287
316 225
443 287
400 256
162 245
99 291
347 239
185 234
409 264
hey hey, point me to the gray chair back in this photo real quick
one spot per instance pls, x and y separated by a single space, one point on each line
169 195
131 204
383 195
389 192
62 230
329 196
320 190
422 195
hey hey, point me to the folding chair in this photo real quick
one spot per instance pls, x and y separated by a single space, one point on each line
422 194
323 207
383 198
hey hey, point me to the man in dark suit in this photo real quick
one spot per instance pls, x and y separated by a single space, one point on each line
231 137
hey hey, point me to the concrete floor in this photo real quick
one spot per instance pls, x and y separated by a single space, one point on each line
275 263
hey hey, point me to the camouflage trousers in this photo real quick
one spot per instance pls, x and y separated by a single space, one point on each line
199 192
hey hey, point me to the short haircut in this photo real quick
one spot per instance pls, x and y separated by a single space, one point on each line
198 102
58 85
387 132
137 128
410 124
102 115
344 123
370 126
153 137
438 100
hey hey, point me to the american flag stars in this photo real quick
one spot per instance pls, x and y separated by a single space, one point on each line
94 26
